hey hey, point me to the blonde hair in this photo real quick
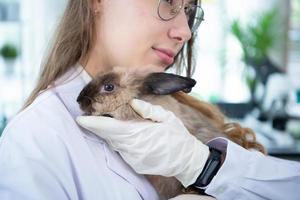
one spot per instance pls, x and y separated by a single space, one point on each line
73 40
235 132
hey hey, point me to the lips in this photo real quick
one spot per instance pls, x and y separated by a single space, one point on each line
167 56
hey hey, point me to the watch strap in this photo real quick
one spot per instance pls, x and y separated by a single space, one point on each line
210 169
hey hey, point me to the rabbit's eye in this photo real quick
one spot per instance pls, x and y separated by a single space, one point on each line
108 87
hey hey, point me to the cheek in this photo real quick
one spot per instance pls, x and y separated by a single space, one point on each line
129 35
125 112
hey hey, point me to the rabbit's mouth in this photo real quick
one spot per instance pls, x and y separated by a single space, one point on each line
107 115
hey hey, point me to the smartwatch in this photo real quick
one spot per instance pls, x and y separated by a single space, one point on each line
210 169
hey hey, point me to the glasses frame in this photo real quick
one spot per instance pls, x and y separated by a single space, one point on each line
199 15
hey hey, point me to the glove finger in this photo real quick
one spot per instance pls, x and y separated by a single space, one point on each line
103 126
107 127
148 111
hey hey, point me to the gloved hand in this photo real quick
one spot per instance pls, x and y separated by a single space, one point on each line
162 146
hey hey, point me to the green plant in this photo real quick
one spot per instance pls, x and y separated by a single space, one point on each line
258 37
9 51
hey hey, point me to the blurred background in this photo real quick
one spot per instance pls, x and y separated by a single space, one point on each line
248 62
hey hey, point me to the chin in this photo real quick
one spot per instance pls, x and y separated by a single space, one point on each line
153 67
161 67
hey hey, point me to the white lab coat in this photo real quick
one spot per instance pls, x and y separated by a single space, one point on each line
44 154
252 175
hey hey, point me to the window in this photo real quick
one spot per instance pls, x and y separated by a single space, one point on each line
220 69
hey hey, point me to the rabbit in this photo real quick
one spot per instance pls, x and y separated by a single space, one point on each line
109 94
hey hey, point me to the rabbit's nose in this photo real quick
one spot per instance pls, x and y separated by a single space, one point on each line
84 100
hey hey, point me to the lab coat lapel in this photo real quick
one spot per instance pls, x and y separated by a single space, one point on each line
68 88
142 185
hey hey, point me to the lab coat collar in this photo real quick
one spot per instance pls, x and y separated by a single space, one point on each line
67 89
82 73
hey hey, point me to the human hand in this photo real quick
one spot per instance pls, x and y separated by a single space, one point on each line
162 146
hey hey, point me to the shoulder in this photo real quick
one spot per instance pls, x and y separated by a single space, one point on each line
33 150
42 120
46 105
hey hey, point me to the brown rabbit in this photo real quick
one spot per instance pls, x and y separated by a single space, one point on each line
109 95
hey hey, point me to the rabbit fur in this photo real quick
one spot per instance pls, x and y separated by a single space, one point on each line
109 94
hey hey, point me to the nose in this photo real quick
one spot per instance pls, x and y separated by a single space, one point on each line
180 29
84 100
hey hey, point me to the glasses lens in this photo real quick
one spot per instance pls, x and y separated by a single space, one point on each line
195 16
168 9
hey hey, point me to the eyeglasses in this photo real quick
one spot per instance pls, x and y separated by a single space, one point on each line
169 9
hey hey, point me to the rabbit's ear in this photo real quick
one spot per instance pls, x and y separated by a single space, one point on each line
165 83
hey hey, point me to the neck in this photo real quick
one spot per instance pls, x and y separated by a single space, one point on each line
94 64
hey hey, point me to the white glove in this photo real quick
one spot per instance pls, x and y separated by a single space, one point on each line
162 146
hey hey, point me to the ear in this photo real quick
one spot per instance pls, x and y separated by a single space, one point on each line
165 83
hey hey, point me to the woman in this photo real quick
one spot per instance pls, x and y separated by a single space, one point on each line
44 154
